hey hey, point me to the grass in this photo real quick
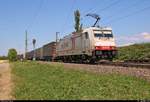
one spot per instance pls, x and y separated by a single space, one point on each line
42 81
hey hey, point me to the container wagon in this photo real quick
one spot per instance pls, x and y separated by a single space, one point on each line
49 51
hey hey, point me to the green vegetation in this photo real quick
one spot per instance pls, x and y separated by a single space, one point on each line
12 55
3 58
49 81
78 27
134 52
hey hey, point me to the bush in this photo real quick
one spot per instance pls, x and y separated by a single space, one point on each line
12 55
134 52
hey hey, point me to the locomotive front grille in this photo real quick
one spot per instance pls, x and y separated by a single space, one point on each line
105 53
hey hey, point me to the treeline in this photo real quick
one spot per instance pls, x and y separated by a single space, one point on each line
134 52
3 57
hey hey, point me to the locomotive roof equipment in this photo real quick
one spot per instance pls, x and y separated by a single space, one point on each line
96 16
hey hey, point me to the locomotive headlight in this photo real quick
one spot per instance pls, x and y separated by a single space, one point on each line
96 47
98 52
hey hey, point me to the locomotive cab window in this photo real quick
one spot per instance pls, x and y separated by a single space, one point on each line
86 35
108 35
98 35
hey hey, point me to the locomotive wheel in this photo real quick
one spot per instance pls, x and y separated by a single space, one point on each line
92 61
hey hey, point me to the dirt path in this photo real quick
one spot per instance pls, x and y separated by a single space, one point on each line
5 81
131 71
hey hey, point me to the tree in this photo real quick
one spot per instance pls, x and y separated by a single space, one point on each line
78 27
12 55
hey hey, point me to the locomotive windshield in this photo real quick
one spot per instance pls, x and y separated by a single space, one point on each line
100 35
108 35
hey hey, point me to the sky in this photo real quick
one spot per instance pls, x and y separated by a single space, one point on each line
129 19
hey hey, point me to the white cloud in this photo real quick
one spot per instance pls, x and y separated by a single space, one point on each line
146 35
126 44
133 38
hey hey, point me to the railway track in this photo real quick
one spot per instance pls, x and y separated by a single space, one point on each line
121 64
126 64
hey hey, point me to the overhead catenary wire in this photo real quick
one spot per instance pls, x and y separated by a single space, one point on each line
70 10
126 8
131 14
102 9
33 20
35 15
108 6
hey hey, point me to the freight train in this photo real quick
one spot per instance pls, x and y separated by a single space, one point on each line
45 53
90 45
